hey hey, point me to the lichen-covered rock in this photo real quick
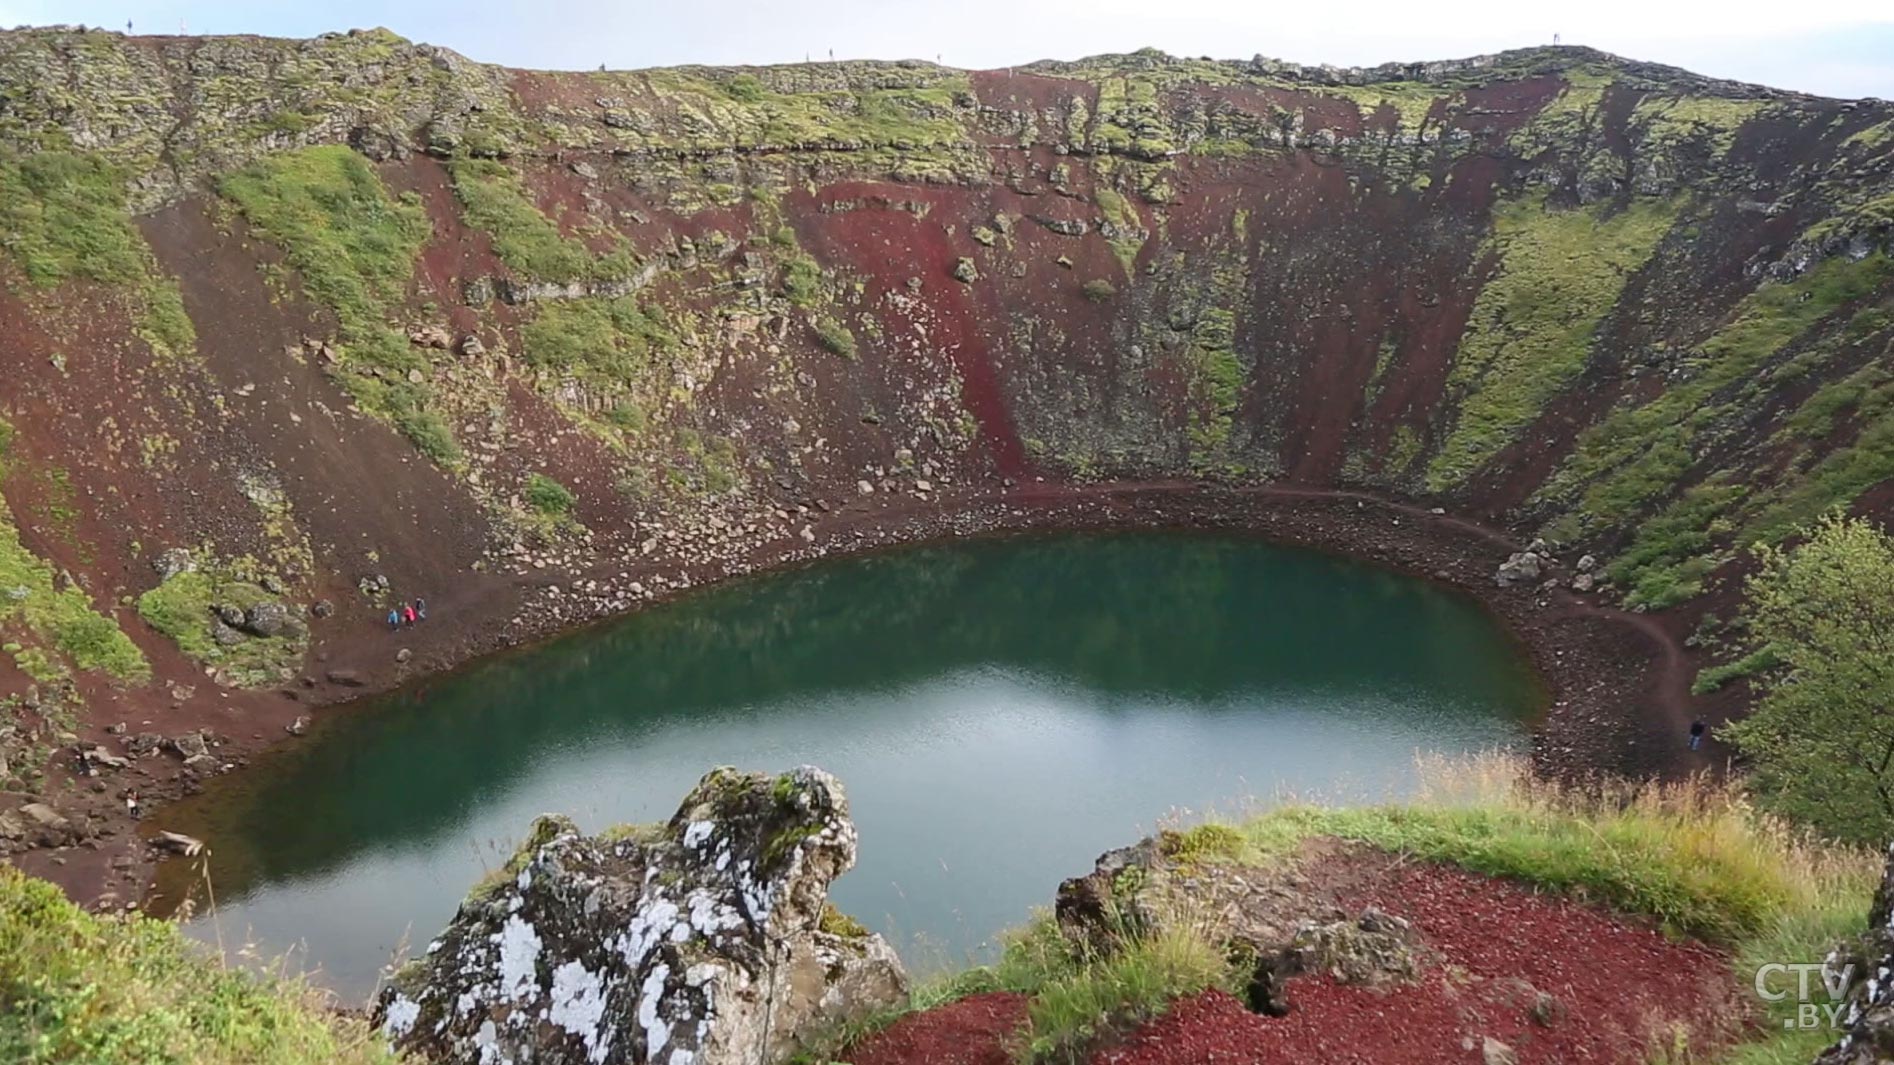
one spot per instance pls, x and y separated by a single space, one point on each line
695 942
1868 1036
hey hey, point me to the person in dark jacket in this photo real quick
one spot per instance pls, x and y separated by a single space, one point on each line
1696 735
420 608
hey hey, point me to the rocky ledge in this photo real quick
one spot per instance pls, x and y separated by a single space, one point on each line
702 940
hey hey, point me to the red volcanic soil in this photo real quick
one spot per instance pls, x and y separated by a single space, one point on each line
1554 980
972 1031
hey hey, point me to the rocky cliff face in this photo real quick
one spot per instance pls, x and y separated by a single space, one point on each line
708 939
356 320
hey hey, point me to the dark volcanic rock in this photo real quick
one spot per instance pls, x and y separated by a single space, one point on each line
697 941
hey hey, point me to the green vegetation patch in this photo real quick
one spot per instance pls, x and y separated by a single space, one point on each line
1817 741
355 248
1530 333
80 988
184 608
611 344
1640 453
835 337
495 200
63 216
59 616
548 497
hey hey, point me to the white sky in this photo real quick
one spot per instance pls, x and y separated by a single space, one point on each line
1835 47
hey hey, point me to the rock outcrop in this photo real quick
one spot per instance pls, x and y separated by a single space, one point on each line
707 939
1868 1036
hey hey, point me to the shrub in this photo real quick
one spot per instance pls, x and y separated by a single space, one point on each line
547 496
1818 740
1098 290
79 988
835 337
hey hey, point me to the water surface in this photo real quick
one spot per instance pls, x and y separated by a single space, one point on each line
1000 712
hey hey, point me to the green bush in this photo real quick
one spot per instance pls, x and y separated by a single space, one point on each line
835 337
547 496
78 988
1098 290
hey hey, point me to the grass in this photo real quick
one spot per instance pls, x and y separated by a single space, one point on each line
355 248
1529 337
835 337
495 200
80 988
63 216
609 344
1693 855
180 608
1640 453
59 616
548 497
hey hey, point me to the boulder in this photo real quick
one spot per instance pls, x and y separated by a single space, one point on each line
229 614
966 272
46 826
431 336
190 745
347 678
174 561
471 346
179 843
1523 567
143 744
700 940
267 619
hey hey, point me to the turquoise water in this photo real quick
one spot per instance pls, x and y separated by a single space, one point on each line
1000 711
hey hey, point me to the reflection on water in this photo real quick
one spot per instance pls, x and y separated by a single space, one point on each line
999 711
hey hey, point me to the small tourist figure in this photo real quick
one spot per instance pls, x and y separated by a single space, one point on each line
420 608
394 619
1696 735
408 615
132 807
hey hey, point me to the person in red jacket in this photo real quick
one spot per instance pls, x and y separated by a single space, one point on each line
407 615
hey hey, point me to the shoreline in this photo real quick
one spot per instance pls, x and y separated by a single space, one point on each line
1616 683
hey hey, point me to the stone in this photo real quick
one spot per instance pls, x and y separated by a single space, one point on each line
179 843
268 619
472 347
174 561
229 614
46 826
431 336
1520 568
1494 1052
100 756
190 745
225 636
321 608
402 656
1584 582
966 272
203 764
1587 563
705 939
143 744
864 487
347 678
299 726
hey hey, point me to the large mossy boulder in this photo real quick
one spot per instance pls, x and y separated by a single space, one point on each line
707 939
1868 1019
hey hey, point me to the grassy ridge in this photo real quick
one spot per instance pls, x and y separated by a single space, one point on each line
79 988
1693 855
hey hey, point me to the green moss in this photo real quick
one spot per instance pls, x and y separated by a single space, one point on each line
80 988
60 618
837 923
1207 842
611 344
802 281
1530 334
63 216
1124 228
355 248
494 200
1666 560
1640 453
1752 664
181 608
1713 120
1098 290
835 337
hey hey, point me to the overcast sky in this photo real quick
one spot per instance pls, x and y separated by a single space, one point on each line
1834 47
